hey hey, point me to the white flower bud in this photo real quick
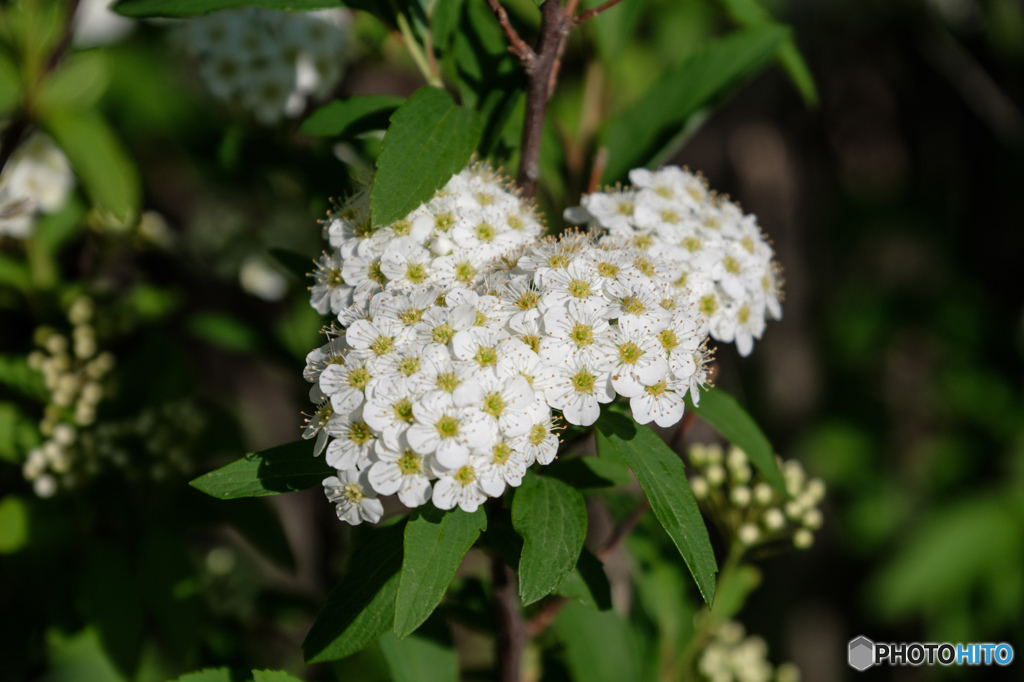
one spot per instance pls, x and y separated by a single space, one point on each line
815 491
92 392
36 359
716 475
736 457
220 561
700 488
787 672
763 494
85 414
81 310
803 539
64 434
56 344
714 453
794 510
698 454
740 496
44 486
794 475
741 474
773 519
731 632
748 534
812 519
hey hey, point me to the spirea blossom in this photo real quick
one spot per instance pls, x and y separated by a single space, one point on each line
37 179
462 338
718 253
266 61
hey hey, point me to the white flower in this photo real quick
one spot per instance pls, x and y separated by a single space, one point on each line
353 496
389 411
406 264
458 487
578 287
505 402
329 292
501 465
659 403
741 323
346 379
403 471
353 441
447 431
480 346
540 444
577 388
639 361
377 338
578 334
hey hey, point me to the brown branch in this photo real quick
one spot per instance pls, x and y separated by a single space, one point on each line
516 45
511 629
591 13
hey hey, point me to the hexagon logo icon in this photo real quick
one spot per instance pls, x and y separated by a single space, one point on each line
862 653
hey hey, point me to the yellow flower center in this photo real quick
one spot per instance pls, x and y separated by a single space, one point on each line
668 339
409 462
442 333
447 426
579 288
629 353
485 356
583 381
403 410
494 404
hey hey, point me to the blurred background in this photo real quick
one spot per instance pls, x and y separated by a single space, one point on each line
895 205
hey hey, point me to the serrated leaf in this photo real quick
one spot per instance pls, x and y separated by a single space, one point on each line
435 542
426 655
348 117
99 160
635 135
722 413
184 8
283 469
663 479
273 676
361 607
552 519
429 140
77 84
587 583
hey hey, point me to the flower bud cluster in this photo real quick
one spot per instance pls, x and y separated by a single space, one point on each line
725 262
37 179
731 656
266 61
748 506
466 337
77 447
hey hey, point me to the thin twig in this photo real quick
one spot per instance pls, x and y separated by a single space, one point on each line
511 629
597 170
516 45
591 13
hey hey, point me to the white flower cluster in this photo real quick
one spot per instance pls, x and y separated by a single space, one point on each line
724 261
37 179
268 62
731 656
755 511
464 331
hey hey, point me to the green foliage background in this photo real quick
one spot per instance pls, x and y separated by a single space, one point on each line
891 192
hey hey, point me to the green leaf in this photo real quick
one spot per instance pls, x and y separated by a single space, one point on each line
587 473
721 411
80 658
361 607
16 374
185 8
283 469
599 645
733 590
552 518
99 160
14 523
663 479
14 274
109 598
429 140
435 542
587 583
750 13
10 84
273 676
77 84
348 117
424 656
637 133
224 331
